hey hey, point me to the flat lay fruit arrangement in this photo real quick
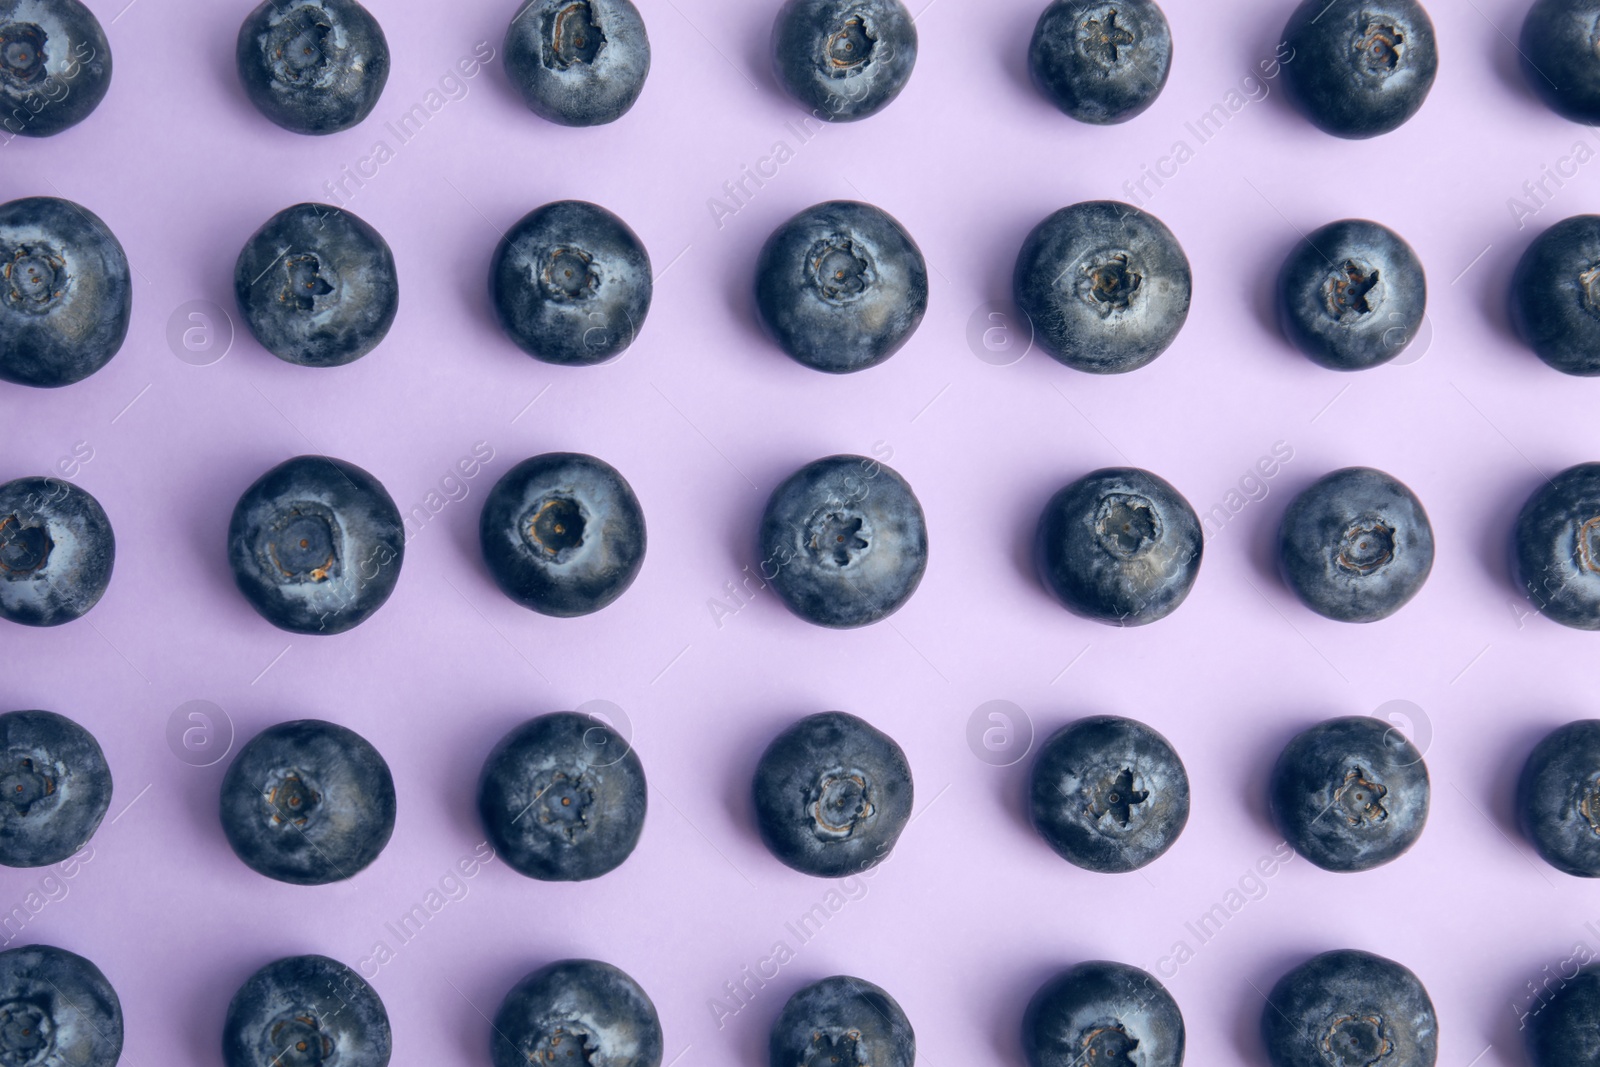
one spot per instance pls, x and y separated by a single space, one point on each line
817 532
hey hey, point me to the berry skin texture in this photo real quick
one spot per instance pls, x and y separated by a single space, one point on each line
841 286
56 1008
578 62
1559 58
1349 1008
55 66
1120 546
317 286
1105 285
310 1005
1351 295
55 788
56 551
316 545
1101 1012
562 534
1560 1032
579 1012
832 794
313 66
1360 68
1350 794
841 1020
571 284
843 60
1356 545
65 293
1108 794
1101 63
1557 547
563 798
308 802
1555 296
1558 798
844 542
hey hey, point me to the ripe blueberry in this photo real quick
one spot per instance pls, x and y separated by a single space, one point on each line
842 1020
843 60
562 534
316 545
1120 546
308 802
578 62
1356 545
577 1012
832 795
1555 295
1557 547
313 66
843 541
1105 285
56 551
1350 794
1101 62
317 286
1560 1032
1108 794
1360 67
571 284
305 1010
1348 1008
563 798
1351 295
1103 1013
55 65
1558 798
65 293
56 1008
841 286
54 788
1559 57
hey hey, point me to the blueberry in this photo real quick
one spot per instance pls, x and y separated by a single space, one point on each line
56 551
842 1020
1105 286
1560 1032
65 293
55 65
313 66
1108 794
54 788
1101 62
1555 295
56 1008
1103 1013
562 534
317 286
1360 67
1348 1008
1356 545
308 802
1350 794
1120 546
578 62
1559 58
1351 295
563 798
1558 798
844 59
316 545
1557 547
832 795
570 283
841 286
578 1012
301 1011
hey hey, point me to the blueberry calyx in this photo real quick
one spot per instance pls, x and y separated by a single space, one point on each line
298 48
841 269
1127 526
22 55
27 1033
570 274
303 282
571 36
291 798
1379 45
1351 291
1101 38
28 784
849 48
841 803
1366 547
564 801
36 278
838 536
1361 799
1117 798
554 527
1107 1046
24 550
1356 1041
302 544
1109 282
298 1037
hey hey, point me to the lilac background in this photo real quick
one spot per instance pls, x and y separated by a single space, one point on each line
704 417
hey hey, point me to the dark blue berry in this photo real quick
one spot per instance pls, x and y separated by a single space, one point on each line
1348 1008
1105 285
577 1012
842 1020
1558 798
1360 67
56 551
316 545
54 788
841 286
578 62
56 1010
1559 57
1101 62
1561 1031
1555 295
1102 1014
55 65
1557 547
843 60
306 1011
65 292
1351 295
313 66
